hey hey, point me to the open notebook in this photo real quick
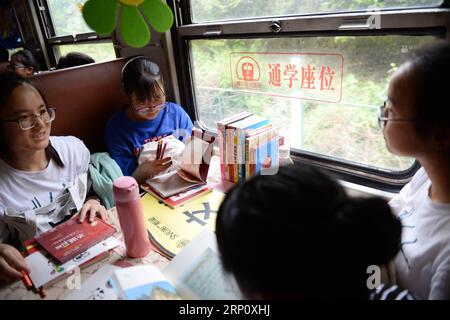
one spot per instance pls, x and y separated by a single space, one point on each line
193 169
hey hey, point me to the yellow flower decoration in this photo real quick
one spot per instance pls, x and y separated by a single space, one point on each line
101 15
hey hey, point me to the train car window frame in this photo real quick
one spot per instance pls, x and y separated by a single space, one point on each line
400 21
54 41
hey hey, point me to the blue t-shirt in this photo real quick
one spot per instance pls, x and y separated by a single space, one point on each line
124 137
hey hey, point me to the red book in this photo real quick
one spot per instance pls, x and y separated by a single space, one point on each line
71 238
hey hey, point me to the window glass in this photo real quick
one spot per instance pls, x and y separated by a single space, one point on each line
99 51
67 18
323 93
210 10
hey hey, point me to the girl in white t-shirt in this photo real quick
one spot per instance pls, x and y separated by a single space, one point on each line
43 179
416 121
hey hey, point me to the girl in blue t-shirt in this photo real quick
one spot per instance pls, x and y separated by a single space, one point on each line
149 117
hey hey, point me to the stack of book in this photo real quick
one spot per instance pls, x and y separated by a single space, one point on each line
247 144
56 253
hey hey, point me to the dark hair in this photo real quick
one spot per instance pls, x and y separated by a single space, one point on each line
4 54
8 82
430 67
27 59
326 238
73 59
142 77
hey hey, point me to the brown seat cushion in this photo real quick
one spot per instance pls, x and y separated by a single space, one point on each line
85 97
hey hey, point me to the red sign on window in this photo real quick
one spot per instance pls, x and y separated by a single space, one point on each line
309 76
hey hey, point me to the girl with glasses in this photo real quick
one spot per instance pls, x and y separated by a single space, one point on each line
23 63
43 178
417 124
148 117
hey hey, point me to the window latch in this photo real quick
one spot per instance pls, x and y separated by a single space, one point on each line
215 32
275 26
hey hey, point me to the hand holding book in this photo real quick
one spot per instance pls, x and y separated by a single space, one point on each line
151 168
193 169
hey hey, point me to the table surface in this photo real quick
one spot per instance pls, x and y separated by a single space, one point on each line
17 290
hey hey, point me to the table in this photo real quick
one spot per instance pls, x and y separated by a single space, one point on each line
17 290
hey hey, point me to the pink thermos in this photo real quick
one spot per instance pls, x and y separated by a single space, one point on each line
131 216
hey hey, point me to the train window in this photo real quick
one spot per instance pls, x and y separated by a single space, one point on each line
320 76
67 18
203 11
99 51
323 103
66 30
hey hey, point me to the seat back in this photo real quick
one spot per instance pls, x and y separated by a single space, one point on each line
85 97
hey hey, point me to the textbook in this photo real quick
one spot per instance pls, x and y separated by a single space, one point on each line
170 230
193 170
222 134
241 152
142 282
195 273
71 238
179 199
45 271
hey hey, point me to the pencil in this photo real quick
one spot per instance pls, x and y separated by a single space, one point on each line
163 149
158 150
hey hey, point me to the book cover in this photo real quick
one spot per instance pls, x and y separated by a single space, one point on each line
71 238
222 141
253 122
44 270
142 282
251 144
179 199
172 229
267 148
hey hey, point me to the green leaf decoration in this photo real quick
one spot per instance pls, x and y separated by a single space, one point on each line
101 16
134 30
158 15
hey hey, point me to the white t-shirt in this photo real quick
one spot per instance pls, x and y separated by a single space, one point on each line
423 263
29 201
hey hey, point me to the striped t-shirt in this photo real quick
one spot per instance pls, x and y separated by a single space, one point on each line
384 292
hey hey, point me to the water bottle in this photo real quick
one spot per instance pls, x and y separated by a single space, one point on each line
285 155
131 216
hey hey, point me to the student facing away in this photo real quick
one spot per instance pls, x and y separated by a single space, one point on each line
326 240
73 59
43 178
149 117
416 121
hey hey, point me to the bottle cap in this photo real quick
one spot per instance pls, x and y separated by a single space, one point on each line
125 189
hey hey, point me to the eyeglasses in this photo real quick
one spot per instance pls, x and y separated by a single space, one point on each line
158 107
383 116
145 109
13 66
27 122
